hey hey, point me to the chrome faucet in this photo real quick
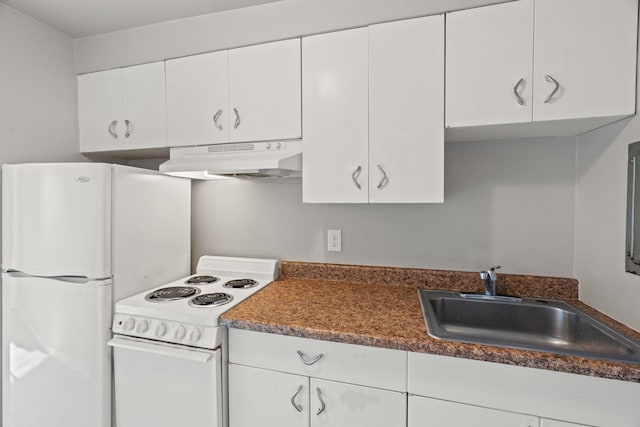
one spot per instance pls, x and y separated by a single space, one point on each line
489 278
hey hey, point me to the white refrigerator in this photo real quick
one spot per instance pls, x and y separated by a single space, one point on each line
76 237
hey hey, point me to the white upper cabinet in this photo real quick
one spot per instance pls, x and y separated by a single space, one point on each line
122 109
373 106
406 111
490 65
589 48
265 92
247 94
197 98
335 116
559 66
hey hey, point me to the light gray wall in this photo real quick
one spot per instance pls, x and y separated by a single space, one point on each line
242 27
38 101
601 195
506 202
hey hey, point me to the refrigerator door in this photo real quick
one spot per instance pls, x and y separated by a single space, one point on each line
56 365
57 219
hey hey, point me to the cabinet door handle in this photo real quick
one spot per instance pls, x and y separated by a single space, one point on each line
355 175
293 399
322 404
516 93
556 86
238 121
384 179
111 128
129 129
306 360
215 119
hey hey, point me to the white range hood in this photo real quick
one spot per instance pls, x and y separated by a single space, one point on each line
243 160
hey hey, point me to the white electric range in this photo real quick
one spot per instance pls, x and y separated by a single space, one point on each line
169 350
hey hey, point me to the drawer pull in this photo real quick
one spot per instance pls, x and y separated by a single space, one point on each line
322 404
306 360
293 400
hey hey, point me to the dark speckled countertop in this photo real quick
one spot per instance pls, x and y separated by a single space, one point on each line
379 306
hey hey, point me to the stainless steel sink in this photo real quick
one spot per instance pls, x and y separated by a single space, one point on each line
532 324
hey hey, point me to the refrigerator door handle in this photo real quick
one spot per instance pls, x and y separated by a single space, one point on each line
67 279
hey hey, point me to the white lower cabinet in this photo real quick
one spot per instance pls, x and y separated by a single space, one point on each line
262 397
426 412
346 405
555 423
288 400
284 381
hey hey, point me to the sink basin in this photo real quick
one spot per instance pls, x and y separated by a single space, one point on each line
524 323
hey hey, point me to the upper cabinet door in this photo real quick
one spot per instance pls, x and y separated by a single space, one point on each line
336 117
197 99
99 111
406 111
490 64
589 48
144 106
265 92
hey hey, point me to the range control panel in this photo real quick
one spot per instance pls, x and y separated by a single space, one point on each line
167 331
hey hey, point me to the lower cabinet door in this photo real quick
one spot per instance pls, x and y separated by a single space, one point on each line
555 423
425 412
258 397
346 405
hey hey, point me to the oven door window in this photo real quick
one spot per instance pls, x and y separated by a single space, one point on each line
164 385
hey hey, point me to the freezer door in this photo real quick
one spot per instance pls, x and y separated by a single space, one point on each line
56 219
56 364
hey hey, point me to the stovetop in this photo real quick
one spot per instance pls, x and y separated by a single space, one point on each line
184 311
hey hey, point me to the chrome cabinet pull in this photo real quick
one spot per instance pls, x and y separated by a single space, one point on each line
111 128
384 179
355 175
238 121
556 86
322 404
129 130
293 399
215 119
515 92
307 361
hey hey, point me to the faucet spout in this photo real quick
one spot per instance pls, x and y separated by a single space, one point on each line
489 278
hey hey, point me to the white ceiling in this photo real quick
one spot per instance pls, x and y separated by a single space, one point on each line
81 18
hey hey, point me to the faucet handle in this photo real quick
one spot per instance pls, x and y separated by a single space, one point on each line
495 267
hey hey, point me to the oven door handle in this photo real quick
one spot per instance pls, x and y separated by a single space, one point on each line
161 349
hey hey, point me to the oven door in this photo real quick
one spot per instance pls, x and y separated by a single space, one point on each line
165 385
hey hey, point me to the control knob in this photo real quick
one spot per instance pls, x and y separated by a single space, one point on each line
128 324
143 326
195 335
161 329
179 333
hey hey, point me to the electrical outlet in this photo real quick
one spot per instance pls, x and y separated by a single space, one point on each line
334 240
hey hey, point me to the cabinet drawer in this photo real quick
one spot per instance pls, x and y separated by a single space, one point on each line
370 366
